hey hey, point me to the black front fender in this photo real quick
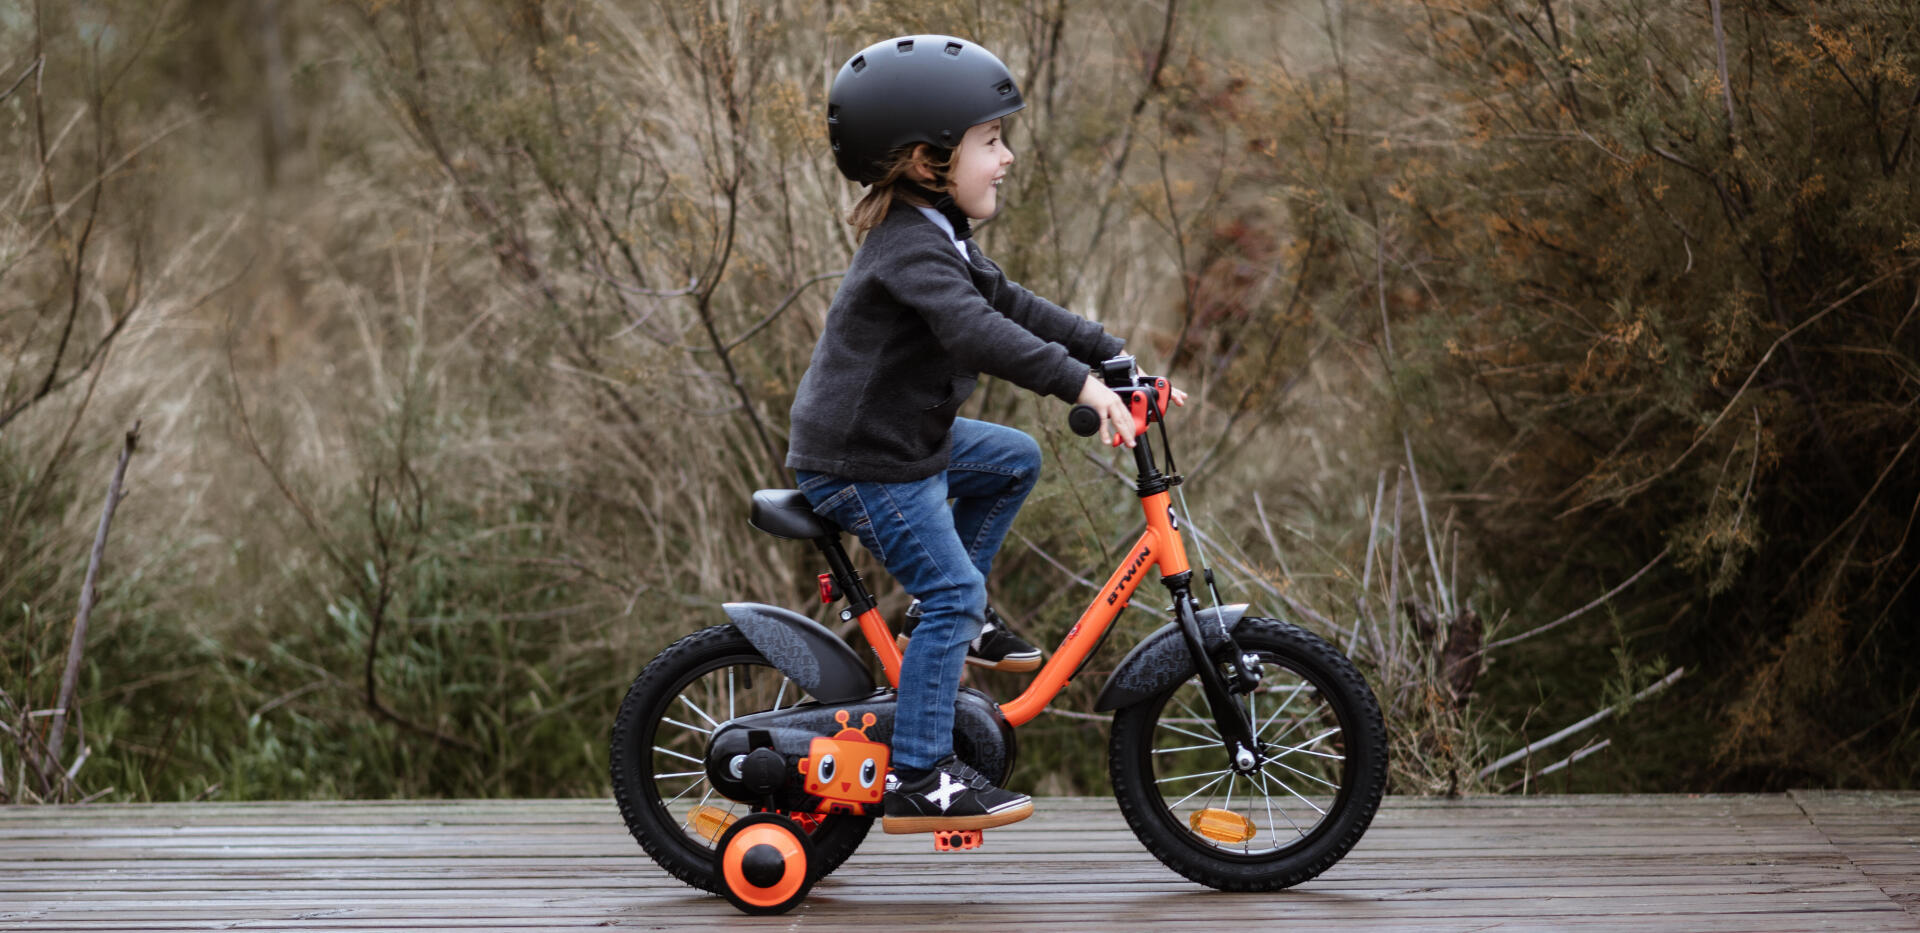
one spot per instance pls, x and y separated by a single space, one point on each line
1160 661
814 658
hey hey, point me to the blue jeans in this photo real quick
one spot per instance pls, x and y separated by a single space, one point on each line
940 554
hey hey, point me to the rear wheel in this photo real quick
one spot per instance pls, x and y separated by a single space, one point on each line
659 755
1322 771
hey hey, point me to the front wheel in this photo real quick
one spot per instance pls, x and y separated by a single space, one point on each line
1322 771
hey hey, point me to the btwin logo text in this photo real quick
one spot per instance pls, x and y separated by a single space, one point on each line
1139 561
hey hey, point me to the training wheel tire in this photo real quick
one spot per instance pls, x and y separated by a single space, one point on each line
766 864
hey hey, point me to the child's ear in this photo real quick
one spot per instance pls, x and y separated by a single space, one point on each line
920 167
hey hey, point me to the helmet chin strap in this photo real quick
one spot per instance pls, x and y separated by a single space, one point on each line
943 202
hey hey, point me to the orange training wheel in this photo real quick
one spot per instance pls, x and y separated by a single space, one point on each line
766 864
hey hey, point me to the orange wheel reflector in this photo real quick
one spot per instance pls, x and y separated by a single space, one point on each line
710 822
1221 825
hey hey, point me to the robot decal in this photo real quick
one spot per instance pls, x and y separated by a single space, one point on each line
847 772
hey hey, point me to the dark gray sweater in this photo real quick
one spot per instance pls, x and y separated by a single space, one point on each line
907 336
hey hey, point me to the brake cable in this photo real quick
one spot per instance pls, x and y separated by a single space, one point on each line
1179 484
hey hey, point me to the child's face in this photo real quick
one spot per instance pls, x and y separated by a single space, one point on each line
979 163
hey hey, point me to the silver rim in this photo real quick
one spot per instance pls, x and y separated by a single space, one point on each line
1286 800
676 761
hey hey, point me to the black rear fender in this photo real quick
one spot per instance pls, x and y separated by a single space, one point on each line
814 658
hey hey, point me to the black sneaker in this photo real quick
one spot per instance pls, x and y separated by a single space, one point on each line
996 647
951 796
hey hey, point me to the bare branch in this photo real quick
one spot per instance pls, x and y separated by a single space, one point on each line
1569 617
776 312
89 594
1587 723
33 69
1426 526
1560 765
1726 86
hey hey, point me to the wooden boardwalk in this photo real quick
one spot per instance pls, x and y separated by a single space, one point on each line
1800 861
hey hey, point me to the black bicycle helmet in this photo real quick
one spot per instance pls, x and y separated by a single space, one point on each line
912 89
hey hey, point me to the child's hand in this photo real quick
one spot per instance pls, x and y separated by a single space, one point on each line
1116 421
1179 397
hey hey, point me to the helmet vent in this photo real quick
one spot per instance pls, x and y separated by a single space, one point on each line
859 64
833 113
1003 88
905 46
953 48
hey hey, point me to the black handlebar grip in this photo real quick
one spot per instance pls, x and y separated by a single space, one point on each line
1084 421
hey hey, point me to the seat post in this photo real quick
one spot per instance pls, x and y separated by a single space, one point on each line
844 576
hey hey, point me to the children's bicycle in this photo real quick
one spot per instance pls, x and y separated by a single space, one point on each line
1247 754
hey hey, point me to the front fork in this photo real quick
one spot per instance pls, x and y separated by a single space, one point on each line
1212 652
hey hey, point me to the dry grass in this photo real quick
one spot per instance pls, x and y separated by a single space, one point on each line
452 427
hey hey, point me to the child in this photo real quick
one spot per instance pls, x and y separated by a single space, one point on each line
920 314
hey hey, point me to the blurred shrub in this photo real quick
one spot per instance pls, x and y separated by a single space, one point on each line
1669 260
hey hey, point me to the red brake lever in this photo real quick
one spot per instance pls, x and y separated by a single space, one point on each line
1137 405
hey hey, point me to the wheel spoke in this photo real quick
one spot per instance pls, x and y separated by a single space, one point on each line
1301 773
1302 747
782 694
1282 707
1210 739
1195 718
1216 793
690 789
685 726
1297 723
669 751
1266 800
1185 748
699 712
1193 777
1172 806
680 774
1267 795
1253 714
1289 789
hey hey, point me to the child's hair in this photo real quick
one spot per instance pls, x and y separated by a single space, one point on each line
896 182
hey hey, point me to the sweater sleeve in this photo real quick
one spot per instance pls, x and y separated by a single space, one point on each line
930 278
1086 340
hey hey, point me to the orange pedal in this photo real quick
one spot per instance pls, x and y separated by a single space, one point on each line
956 840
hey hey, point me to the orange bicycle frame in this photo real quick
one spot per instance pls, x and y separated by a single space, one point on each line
1159 546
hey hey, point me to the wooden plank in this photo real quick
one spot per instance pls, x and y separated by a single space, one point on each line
1879 833
1738 862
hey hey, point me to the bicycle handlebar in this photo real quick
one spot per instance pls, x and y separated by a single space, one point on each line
1084 421
1147 397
